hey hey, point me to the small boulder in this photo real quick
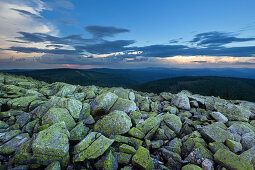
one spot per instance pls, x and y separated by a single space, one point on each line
181 101
142 159
219 117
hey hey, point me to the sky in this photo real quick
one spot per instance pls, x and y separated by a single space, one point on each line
127 34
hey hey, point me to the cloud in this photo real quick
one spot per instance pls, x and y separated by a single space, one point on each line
27 13
107 47
60 4
104 31
217 39
38 50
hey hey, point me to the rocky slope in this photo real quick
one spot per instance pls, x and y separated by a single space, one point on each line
62 126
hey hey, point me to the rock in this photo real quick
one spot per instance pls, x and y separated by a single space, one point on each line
249 155
22 102
191 167
248 140
207 165
157 144
241 128
85 112
219 117
6 136
3 125
142 159
123 158
231 161
52 144
233 112
79 132
127 149
103 103
234 146
12 145
194 103
124 105
107 162
181 101
136 133
66 90
173 122
135 116
215 146
115 123
23 119
56 115
149 124
88 147
216 134
74 107
54 166
131 96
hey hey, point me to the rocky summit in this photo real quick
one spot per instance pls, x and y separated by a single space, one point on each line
63 126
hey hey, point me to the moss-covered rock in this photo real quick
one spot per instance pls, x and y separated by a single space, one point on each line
6 136
54 166
21 102
173 122
3 125
56 115
142 159
191 167
66 90
85 111
135 116
215 133
123 158
248 140
23 119
115 123
234 146
12 145
149 124
127 149
136 133
103 103
107 162
181 101
215 146
249 155
124 105
231 161
79 132
92 151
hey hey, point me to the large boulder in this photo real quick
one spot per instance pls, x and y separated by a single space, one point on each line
215 133
91 147
22 102
230 160
66 90
56 115
52 144
115 123
142 159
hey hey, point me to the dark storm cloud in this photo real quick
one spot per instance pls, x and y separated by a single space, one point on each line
107 47
27 13
217 38
103 31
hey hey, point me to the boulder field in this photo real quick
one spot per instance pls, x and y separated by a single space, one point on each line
62 126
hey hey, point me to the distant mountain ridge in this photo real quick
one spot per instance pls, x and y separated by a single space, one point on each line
157 80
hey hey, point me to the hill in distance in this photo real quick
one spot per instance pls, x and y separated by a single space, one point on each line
157 80
225 87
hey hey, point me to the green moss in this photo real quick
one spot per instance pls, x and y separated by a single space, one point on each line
85 112
191 167
135 116
124 105
123 158
115 123
93 151
3 125
234 146
56 115
231 161
149 124
136 133
215 146
54 166
127 149
142 159
173 122
79 132
6 136
21 102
